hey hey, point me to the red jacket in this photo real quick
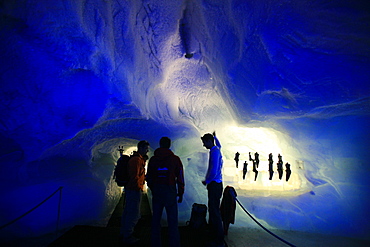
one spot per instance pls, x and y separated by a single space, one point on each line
166 168
136 170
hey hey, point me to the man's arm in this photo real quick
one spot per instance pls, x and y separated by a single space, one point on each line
217 142
134 170
180 180
149 173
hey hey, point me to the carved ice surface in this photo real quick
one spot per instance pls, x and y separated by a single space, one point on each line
79 78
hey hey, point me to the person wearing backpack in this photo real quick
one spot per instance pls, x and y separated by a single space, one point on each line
214 185
165 171
133 190
121 175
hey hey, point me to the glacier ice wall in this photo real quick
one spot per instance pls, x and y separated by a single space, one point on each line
291 77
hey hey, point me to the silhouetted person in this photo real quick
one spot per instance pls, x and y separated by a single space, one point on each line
280 166
165 171
255 170
257 159
280 159
250 156
245 169
271 169
287 171
237 154
133 190
214 185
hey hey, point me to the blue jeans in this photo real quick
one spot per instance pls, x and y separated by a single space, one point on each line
215 221
165 196
131 212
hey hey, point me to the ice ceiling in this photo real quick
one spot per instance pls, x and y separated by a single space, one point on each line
79 78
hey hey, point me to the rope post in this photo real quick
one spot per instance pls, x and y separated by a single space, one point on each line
38 205
264 228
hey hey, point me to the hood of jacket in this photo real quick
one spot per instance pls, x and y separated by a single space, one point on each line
163 153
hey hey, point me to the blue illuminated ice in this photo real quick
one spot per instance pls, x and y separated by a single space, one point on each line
80 78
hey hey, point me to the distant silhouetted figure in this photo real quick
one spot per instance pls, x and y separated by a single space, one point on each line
250 157
280 166
255 170
280 170
257 158
245 169
237 154
287 171
227 208
271 169
280 159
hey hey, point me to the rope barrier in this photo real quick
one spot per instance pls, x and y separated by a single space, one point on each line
264 228
38 205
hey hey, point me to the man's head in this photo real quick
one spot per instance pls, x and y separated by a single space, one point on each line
165 142
208 140
143 147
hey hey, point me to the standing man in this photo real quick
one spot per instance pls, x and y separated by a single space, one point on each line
133 190
214 185
165 171
237 154
257 158
245 169
271 170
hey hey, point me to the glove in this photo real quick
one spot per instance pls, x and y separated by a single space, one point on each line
180 199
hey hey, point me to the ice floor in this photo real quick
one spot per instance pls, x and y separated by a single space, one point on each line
237 237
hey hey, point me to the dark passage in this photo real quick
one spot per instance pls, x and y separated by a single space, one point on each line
82 235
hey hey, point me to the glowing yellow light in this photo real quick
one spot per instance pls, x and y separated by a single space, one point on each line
264 141
130 150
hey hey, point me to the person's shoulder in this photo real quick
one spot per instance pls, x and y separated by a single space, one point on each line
153 159
134 158
176 157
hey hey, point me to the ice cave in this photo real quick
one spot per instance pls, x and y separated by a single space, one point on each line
288 77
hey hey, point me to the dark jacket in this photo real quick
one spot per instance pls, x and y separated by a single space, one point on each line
165 168
228 206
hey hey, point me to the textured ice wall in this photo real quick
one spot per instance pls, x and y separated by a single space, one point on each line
79 78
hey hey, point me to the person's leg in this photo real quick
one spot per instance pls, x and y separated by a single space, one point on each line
214 197
124 213
226 227
211 205
157 205
172 220
131 214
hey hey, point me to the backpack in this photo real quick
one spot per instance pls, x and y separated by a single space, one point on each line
162 174
158 172
198 216
121 175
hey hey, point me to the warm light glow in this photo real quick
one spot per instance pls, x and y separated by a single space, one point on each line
130 150
264 141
